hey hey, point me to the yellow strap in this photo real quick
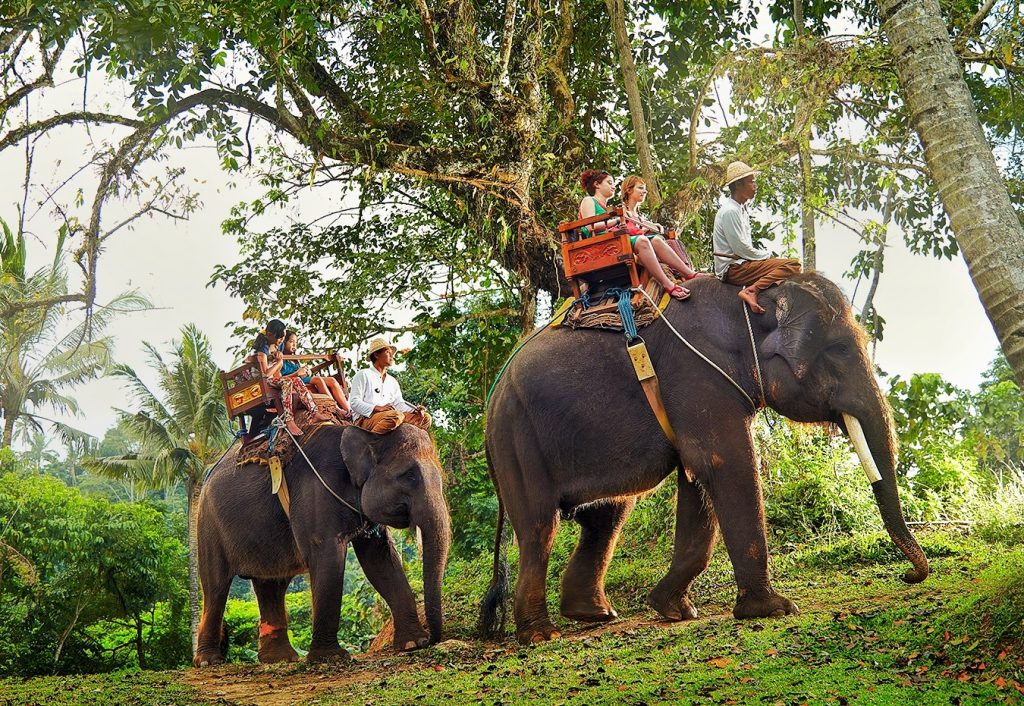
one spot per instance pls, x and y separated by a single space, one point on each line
644 369
562 311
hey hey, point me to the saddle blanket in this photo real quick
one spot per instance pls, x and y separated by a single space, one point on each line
574 315
258 450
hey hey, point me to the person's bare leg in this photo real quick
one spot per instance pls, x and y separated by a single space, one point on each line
336 392
670 257
749 295
645 254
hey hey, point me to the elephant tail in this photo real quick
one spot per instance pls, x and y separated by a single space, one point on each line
494 606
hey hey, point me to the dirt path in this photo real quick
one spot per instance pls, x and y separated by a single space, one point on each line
286 684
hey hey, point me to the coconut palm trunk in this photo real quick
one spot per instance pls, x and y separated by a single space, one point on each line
962 165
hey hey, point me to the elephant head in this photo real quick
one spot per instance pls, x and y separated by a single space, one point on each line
400 482
816 368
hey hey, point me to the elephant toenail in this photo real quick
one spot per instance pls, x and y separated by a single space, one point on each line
410 645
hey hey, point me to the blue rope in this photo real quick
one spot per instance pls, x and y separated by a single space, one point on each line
624 297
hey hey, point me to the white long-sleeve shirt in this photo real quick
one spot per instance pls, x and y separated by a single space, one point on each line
369 391
732 237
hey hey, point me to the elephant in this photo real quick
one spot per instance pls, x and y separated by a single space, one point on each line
570 434
394 480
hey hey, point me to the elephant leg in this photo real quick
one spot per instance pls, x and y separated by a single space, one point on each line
535 534
215 577
274 645
383 568
730 476
696 528
326 564
583 595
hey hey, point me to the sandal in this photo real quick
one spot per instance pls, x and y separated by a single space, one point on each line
680 289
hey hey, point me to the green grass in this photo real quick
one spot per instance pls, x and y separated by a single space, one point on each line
864 637
122 688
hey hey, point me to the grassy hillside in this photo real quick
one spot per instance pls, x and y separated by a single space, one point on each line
862 637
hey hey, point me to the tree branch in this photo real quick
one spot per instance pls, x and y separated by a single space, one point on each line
19 133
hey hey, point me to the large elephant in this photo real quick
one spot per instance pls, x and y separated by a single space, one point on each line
394 480
570 433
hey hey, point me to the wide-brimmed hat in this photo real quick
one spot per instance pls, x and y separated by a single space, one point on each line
736 171
379 344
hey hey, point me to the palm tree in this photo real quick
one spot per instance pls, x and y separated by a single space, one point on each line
961 162
182 429
40 361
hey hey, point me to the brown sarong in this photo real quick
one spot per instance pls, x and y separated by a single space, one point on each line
761 274
389 420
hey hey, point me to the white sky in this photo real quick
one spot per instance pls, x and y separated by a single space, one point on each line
935 322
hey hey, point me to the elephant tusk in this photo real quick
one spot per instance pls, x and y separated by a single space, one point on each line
860 445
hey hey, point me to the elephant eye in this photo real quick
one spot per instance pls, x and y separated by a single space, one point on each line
841 349
408 475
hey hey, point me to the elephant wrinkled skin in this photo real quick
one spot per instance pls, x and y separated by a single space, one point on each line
570 433
396 481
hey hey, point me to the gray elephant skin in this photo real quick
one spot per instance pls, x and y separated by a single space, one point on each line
395 480
570 433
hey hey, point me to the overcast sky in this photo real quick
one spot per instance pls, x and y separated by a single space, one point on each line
935 322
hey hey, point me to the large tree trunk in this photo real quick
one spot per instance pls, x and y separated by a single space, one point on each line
9 420
617 12
960 159
192 488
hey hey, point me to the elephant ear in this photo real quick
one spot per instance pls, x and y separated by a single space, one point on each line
796 337
359 454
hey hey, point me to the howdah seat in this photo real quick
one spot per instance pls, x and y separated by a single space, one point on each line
248 392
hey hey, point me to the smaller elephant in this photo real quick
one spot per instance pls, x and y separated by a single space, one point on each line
394 479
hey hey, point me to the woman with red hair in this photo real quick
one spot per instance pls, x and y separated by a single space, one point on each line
650 248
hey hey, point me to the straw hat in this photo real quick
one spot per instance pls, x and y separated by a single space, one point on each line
736 171
379 344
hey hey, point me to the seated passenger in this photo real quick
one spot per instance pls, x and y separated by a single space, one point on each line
323 385
599 186
268 356
737 261
376 399
647 241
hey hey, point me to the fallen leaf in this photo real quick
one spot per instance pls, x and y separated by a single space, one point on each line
720 662
1000 683
771 653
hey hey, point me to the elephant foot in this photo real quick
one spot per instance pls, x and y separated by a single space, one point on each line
588 611
409 643
274 645
207 658
327 654
671 606
771 606
537 634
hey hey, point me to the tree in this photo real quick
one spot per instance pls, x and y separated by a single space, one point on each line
70 564
961 163
41 359
182 430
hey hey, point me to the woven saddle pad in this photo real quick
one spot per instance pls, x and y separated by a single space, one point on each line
644 313
258 451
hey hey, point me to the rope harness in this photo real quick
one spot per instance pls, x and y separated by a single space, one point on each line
280 424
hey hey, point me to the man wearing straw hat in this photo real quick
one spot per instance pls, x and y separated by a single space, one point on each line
376 398
737 261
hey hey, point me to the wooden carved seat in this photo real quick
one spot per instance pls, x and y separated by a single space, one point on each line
605 259
248 392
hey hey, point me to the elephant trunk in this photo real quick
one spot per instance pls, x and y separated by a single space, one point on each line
436 532
876 446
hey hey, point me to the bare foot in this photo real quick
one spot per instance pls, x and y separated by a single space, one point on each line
749 295
293 427
677 291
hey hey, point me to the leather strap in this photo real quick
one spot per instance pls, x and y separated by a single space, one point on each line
644 369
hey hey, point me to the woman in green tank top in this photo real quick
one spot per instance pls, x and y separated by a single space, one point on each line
600 186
